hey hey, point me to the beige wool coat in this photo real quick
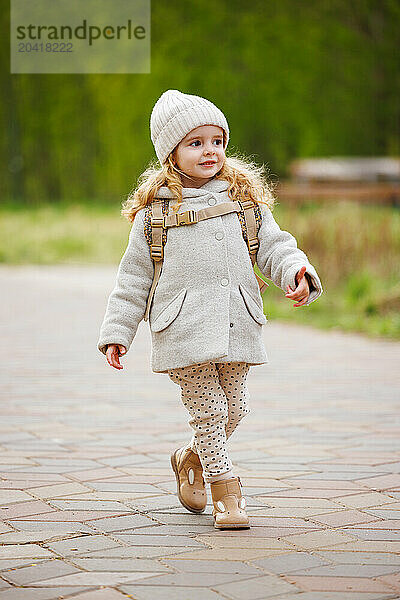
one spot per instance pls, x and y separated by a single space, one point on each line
207 305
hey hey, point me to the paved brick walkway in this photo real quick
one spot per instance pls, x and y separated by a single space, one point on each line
87 496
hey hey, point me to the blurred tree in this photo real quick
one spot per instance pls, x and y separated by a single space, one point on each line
295 79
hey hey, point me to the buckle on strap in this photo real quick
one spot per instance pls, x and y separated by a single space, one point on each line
158 222
253 245
244 204
156 252
186 218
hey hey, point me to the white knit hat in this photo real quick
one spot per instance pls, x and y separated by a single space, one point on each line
175 114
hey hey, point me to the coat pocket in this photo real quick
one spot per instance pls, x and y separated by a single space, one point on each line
169 313
253 306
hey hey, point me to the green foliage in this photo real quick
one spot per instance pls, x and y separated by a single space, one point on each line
295 79
359 286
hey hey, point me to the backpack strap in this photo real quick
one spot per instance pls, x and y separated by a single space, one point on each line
156 249
160 222
248 207
189 217
251 227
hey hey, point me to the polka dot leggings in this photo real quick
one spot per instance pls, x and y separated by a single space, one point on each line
216 397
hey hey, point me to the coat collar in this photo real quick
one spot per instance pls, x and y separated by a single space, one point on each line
213 186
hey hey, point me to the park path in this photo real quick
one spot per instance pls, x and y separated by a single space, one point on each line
87 497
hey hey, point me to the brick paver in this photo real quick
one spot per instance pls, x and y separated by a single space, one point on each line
87 496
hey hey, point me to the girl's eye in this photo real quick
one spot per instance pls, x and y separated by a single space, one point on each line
219 142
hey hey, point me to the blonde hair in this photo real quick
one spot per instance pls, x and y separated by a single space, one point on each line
247 180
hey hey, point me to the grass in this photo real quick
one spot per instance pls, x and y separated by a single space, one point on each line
62 234
337 309
355 249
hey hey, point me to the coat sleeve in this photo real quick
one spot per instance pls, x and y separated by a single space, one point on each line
279 258
127 302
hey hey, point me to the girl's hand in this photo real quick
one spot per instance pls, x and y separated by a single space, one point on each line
114 351
302 290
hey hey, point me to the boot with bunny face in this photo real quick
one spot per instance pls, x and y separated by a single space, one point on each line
229 504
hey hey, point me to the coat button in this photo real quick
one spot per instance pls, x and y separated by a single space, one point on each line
224 281
230 324
219 235
212 201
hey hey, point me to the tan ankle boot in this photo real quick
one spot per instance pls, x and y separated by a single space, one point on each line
229 504
189 479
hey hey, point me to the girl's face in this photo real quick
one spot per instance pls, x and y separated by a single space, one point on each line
200 155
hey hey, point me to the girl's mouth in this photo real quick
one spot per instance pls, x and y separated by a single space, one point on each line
208 164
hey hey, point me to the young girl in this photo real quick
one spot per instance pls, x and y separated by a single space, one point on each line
206 314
